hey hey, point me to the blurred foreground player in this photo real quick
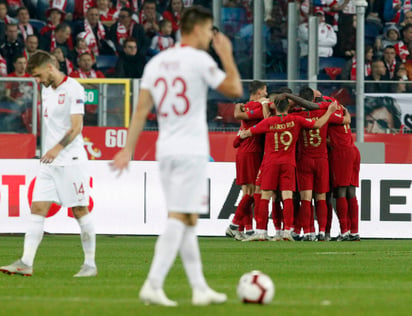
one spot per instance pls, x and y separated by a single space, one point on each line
63 176
176 81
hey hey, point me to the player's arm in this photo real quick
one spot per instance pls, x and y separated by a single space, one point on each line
346 116
325 117
231 86
75 129
239 112
144 105
305 103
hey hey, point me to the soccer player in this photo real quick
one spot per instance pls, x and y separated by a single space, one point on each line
63 176
248 158
176 81
278 172
313 167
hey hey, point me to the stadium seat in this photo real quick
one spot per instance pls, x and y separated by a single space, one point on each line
106 63
37 24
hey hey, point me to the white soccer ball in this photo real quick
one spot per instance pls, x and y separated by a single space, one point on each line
256 287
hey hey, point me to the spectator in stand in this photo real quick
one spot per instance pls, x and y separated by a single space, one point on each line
96 33
326 37
3 67
126 27
25 28
31 46
391 37
81 47
14 5
20 93
407 19
408 62
64 64
349 70
163 40
150 18
81 7
86 70
395 10
12 46
401 76
131 62
173 13
378 74
60 37
402 46
346 36
106 12
391 61
4 19
55 15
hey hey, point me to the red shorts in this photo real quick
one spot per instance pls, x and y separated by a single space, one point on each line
345 166
247 166
278 177
313 174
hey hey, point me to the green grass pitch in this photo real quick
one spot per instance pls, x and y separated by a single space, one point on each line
371 277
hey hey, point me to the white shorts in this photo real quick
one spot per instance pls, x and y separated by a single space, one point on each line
65 185
184 181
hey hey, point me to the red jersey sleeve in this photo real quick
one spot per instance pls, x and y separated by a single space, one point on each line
304 122
255 114
261 127
336 118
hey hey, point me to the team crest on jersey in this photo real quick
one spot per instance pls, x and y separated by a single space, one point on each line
61 98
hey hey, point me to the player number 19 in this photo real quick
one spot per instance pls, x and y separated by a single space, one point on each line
285 138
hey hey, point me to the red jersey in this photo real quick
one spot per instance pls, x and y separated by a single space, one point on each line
339 135
312 142
282 132
254 144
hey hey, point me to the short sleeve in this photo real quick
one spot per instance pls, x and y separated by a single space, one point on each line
336 118
77 99
211 72
305 123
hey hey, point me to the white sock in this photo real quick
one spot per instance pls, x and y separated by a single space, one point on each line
165 253
190 254
32 238
88 238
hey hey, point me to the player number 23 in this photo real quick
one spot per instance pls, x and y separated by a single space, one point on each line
179 90
285 138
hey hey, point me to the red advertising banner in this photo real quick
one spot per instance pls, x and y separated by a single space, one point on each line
17 146
102 143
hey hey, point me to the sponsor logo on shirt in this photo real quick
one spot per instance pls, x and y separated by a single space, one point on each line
79 101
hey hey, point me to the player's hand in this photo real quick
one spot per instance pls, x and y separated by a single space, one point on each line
222 45
121 160
245 134
51 155
333 107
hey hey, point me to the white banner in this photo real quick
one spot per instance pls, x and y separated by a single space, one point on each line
133 203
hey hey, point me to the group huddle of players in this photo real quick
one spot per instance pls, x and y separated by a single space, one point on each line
292 149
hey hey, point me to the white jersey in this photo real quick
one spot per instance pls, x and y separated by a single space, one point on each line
57 107
178 80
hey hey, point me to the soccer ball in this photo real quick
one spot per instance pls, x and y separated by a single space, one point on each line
256 287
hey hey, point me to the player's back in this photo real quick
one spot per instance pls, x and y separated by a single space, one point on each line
178 79
254 143
281 137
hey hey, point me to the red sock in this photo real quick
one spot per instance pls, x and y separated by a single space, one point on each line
321 214
354 215
329 218
288 214
263 214
248 218
342 210
312 218
241 211
277 215
256 197
304 215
